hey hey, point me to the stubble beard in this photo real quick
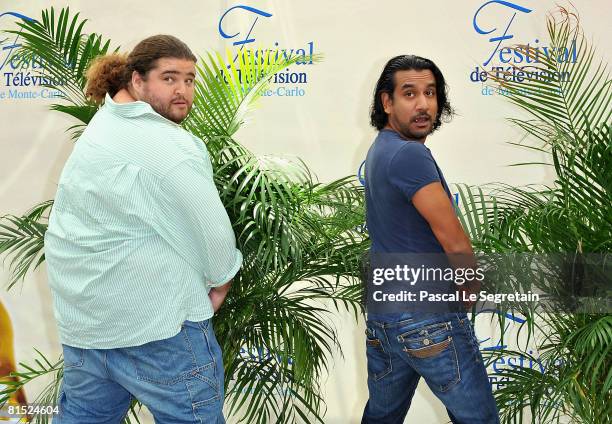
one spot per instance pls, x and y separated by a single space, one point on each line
163 109
407 133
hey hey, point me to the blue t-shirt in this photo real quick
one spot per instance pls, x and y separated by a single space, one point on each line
395 170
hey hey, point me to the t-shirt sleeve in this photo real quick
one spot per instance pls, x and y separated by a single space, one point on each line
411 168
194 222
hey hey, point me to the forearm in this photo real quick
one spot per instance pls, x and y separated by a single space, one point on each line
460 254
459 251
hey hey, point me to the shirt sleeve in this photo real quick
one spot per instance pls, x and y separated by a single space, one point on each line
411 168
193 221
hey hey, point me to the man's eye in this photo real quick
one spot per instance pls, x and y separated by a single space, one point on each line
409 93
169 79
431 93
189 81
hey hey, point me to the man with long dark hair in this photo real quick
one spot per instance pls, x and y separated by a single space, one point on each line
140 250
410 211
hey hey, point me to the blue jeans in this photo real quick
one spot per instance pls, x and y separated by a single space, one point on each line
180 380
441 348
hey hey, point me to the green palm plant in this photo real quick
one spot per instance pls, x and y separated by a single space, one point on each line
569 123
299 237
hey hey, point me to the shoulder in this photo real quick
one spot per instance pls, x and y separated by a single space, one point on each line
412 162
397 146
148 140
410 152
172 140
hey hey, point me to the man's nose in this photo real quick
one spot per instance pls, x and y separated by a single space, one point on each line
180 87
421 103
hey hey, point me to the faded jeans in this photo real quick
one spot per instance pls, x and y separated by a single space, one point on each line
180 380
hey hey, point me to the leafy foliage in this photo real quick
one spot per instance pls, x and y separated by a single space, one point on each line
569 123
65 49
22 237
42 367
576 383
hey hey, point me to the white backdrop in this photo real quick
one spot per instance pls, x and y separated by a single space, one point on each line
327 126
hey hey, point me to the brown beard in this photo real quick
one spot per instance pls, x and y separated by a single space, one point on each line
164 110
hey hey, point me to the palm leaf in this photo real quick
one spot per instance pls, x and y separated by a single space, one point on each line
577 100
22 239
66 49
227 88
569 122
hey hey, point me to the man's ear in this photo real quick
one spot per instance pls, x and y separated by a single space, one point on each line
387 101
137 81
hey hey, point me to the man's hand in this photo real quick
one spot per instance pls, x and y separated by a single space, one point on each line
217 295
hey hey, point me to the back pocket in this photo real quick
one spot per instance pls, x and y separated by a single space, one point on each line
431 351
168 361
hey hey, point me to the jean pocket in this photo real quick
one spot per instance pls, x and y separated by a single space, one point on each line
431 351
169 361
379 360
73 357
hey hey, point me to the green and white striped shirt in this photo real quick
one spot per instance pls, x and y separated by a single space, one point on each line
137 235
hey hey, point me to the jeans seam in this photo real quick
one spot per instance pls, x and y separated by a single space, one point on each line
189 346
450 385
210 352
471 336
106 364
405 336
387 354
172 381
193 408
385 325
78 364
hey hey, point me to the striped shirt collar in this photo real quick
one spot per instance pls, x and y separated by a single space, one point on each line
128 110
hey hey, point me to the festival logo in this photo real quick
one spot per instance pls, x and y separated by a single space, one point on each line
531 360
21 78
289 82
510 57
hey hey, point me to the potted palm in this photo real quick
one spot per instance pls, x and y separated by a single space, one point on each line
569 123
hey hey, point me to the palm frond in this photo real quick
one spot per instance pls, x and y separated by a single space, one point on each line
66 49
22 239
83 113
285 340
577 346
42 367
567 91
569 122
227 87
